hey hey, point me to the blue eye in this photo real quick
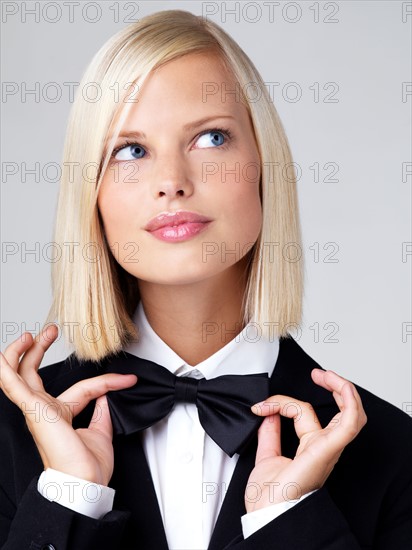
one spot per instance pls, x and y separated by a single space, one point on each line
216 137
129 151
134 151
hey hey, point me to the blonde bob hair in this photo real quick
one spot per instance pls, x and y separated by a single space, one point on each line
93 297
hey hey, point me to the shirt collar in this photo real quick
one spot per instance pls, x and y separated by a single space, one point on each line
247 353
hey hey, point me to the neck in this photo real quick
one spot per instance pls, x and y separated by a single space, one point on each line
197 320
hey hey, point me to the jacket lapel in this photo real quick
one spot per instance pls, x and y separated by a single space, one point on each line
135 492
228 525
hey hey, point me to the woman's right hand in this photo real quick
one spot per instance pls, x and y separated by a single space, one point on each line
86 453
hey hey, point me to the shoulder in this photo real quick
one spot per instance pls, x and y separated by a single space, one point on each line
387 435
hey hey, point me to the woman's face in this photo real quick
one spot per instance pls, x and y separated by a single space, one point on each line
178 163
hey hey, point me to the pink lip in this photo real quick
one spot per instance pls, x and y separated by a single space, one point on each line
177 226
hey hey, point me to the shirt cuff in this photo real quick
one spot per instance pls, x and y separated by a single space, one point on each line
253 521
87 498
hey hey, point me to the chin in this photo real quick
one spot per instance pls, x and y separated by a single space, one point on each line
179 273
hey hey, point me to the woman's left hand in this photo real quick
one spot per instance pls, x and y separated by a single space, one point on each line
276 478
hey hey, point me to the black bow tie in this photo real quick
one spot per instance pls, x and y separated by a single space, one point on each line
223 402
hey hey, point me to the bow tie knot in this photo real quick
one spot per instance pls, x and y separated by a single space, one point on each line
186 389
223 403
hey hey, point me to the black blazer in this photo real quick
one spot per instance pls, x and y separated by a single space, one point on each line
365 503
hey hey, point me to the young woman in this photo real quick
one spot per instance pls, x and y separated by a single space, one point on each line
187 417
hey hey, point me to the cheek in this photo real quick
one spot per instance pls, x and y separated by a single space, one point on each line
109 211
116 205
247 212
241 203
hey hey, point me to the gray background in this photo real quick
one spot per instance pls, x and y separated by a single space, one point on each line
362 298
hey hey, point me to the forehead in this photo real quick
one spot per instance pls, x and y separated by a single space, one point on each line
195 84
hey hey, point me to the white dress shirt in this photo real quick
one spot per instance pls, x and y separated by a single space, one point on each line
190 472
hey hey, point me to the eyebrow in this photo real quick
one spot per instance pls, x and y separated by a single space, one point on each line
136 134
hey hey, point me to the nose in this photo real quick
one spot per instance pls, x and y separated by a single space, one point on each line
171 177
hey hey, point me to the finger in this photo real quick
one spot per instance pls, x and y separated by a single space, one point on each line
33 357
317 376
303 413
332 381
13 385
81 393
269 438
15 350
347 424
328 379
101 420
